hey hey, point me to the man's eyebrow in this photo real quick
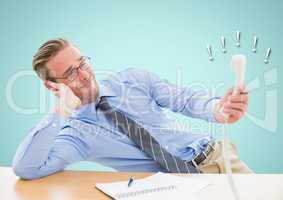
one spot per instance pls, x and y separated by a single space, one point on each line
67 71
80 58
71 67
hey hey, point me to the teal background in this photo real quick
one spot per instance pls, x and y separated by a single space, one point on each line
162 36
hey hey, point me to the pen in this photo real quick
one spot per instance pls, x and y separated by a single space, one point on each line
130 181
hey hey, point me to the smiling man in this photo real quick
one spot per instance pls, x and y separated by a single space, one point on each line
120 121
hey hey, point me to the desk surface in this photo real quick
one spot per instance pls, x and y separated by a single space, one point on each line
78 185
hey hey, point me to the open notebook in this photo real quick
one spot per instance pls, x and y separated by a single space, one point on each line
158 186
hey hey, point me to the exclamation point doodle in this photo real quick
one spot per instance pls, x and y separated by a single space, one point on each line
254 44
223 44
209 51
268 52
238 37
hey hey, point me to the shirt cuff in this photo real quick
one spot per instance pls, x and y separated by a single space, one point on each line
210 108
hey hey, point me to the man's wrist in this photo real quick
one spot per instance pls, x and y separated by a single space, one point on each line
218 116
65 111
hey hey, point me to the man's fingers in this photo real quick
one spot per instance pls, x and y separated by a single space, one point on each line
241 90
56 93
57 88
54 85
243 98
228 93
236 106
233 112
238 90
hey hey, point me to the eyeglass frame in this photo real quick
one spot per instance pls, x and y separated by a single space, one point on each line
75 70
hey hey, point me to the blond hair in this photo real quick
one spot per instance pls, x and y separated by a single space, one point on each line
48 50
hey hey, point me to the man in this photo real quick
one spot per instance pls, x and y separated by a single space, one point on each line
120 121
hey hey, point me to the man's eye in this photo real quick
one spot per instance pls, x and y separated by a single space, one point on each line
72 72
84 65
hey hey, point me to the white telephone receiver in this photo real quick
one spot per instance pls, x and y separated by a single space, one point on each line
238 65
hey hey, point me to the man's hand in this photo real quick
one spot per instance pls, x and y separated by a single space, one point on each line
67 100
233 106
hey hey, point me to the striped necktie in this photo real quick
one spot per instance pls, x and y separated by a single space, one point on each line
142 138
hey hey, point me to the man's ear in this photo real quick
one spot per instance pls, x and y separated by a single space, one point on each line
46 84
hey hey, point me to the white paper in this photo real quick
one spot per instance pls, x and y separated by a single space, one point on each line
157 186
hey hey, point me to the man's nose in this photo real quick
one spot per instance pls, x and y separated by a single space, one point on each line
82 75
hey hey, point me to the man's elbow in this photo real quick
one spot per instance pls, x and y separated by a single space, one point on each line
30 173
25 172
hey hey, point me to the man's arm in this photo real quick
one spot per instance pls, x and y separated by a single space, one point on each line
55 142
184 100
194 103
49 147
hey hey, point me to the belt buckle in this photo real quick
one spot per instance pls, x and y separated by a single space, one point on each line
209 151
212 147
194 163
203 152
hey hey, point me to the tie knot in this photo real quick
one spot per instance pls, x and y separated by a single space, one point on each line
103 104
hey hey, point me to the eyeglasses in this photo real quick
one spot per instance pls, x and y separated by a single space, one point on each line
73 73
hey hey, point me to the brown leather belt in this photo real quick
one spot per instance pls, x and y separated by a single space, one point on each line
203 155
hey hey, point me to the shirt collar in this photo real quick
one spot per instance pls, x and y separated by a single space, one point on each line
105 90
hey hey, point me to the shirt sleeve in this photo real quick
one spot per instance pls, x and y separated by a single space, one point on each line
181 99
50 147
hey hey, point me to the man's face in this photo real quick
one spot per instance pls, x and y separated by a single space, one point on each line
84 85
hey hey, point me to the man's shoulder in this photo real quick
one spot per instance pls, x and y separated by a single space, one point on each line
130 75
133 71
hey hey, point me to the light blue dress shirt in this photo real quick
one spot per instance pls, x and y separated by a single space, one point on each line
86 135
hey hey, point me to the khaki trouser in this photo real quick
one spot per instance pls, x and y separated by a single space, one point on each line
215 161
